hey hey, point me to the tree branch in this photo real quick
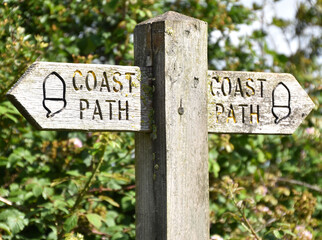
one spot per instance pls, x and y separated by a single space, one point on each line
88 184
304 184
101 189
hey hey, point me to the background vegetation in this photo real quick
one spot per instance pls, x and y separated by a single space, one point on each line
261 187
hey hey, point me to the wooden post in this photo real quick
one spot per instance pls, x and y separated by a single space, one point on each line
172 162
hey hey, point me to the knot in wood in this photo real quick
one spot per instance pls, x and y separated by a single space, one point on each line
181 110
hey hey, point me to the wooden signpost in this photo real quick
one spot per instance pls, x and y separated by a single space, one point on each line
172 164
171 140
90 97
113 98
255 103
95 97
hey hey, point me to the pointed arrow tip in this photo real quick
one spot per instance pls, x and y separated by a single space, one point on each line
311 105
12 98
13 91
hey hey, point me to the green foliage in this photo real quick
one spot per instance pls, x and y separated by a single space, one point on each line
71 185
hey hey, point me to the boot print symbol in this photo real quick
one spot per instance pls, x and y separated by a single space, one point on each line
54 90
281 102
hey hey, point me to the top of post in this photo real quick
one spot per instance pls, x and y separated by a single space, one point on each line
169 16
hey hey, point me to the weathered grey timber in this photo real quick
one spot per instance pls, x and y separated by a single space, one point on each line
171 139
64 96
171 163
255 103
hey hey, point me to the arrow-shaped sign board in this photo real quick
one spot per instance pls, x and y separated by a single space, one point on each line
255 103
64 96
94 97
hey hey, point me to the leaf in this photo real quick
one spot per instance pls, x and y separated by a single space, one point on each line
53 234
251 168
59 181
37 190
74 173
70 223
277 234
110 218
5 228
18 155
47 192
4 192
15 120
261 157
8 111
109 200
287 231
94 219
17 222
127 203
214 167
279 22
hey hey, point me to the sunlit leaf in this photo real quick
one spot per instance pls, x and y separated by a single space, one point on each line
109 200
94 219
70 223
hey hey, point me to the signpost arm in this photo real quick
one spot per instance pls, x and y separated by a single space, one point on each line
172 161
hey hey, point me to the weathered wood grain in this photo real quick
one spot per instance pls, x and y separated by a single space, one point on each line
255 103
89 97
92 97
144 163
171 162
171 103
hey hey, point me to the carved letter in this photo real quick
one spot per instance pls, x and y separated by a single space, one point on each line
74 80
243 111
254 114
97 110
82 108
111 109
126 109
217 110
118 82
250 87
105 83
128 77
231 114
86 81
212 85
262 86
223 86
239 88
